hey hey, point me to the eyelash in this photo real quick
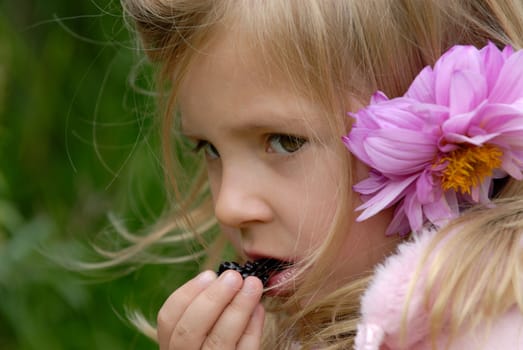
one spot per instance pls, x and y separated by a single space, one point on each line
297 141
202 144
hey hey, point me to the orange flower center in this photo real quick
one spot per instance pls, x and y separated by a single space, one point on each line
467 167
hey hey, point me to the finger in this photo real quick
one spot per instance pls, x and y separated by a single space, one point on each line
251 337
176 304
200 316
232 323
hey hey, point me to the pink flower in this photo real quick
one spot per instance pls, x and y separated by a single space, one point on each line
437 148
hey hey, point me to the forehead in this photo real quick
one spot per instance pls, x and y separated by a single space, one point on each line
230 56
230 76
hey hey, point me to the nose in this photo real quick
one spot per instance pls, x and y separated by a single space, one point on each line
241 200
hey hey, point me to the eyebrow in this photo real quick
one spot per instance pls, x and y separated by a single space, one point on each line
252 126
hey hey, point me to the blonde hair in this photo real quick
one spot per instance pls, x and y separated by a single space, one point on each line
330 50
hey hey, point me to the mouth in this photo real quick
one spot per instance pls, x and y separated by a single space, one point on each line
263 268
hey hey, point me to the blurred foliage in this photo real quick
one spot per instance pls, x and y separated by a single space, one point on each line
77 142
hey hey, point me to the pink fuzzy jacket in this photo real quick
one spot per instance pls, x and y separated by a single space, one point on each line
383 304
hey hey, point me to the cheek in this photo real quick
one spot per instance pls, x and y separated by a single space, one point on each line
366 244
214 180
321 211
213 177
319 199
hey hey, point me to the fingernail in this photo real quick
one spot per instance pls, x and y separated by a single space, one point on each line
230 278
206 277
251 286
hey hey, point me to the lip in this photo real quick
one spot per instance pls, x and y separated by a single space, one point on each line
280 282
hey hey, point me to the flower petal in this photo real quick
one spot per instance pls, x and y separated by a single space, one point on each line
370 185
471 98
377 97
355 143
400 223
480 194
413 212
493 60
388 195
442 209
509 86
422 88
456 59
460 123
457 138
511 167
426 187
390 152
468 89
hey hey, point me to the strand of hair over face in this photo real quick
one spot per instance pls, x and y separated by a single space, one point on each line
332 50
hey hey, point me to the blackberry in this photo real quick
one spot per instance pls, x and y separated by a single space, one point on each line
261 268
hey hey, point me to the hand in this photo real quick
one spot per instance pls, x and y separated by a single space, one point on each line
211 312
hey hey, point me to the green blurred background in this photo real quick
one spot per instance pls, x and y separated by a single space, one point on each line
77 142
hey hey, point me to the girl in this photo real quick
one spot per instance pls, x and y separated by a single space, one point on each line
264 91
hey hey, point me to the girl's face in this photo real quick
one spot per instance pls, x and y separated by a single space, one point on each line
272 168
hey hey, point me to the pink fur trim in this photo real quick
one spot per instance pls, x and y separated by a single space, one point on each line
383 304
369 337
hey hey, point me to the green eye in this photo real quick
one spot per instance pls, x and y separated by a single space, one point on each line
280 143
